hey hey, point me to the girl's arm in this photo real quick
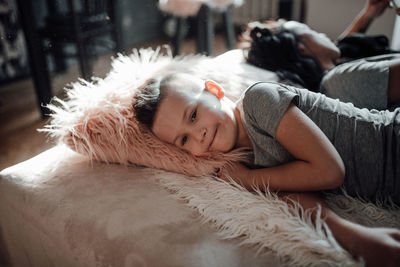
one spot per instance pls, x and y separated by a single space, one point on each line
318 165
377 246
371 10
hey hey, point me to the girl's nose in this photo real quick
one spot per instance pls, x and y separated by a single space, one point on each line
201 134
204 132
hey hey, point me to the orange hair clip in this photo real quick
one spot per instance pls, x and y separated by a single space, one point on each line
215 89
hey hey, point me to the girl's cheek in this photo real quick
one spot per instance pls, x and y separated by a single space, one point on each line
189 148
196 151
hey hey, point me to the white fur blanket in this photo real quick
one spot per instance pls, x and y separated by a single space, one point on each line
259 219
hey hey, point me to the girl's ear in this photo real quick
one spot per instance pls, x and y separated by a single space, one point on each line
214 88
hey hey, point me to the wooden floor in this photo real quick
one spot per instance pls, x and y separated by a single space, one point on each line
19 112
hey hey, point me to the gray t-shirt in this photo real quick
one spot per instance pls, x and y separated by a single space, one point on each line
363 82
367 140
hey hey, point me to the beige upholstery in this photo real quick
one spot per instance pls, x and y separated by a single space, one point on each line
58 210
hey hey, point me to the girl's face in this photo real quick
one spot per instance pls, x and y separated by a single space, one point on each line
196 120
314 44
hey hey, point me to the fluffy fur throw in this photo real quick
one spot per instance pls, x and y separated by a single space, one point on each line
97 119
265 222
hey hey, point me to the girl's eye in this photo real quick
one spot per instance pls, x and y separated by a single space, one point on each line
194 114
184 140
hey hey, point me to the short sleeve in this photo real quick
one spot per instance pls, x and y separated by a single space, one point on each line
265 104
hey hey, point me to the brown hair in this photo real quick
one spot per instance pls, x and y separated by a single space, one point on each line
146 101
149 96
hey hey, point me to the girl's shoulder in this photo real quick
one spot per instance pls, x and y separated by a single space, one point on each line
266 100
262 89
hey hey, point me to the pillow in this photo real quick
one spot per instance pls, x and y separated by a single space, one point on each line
97 117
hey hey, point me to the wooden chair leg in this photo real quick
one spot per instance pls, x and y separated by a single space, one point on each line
83 57
229 27
179 35
209 41
37 60
82 52
115 7
205 30
84 61
57 52
201 30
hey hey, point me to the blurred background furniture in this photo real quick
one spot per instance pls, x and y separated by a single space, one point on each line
203 13
260 10
234 15
82 23
78 22
205 30
37 60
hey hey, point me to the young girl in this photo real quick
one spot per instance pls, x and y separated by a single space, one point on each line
302 141
303 56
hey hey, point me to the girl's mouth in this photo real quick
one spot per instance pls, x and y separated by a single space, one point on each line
213 138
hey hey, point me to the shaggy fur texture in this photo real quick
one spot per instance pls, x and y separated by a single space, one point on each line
97 118
260 220
264 221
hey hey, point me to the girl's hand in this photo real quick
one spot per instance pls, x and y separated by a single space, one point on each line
377 246
237 172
